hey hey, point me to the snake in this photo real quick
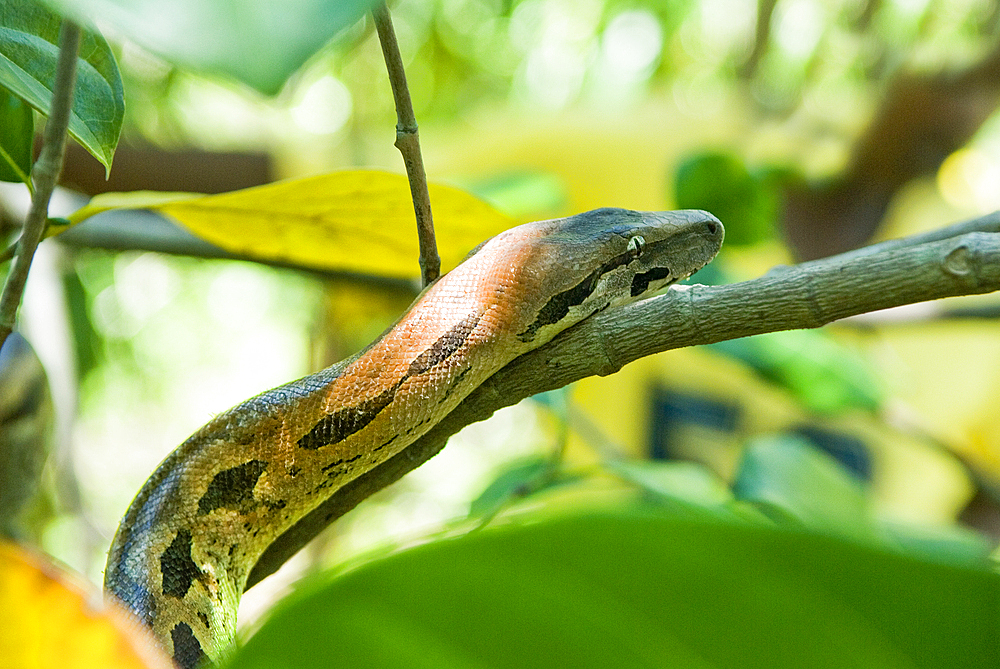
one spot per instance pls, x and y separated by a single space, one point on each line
180 558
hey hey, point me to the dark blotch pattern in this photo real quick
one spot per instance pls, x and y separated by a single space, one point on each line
177 567
341 424
640 282
187 650
232 488
445 347
559 305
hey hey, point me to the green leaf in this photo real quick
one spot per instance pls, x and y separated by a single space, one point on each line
29 47
747 202
790 478
258 42
634 589
17 132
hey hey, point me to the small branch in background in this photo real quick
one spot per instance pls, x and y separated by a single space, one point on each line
45 174
408 143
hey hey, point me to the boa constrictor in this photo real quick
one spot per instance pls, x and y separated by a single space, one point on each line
183 551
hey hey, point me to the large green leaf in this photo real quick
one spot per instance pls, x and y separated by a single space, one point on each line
29 47
17 131
258 42
633 589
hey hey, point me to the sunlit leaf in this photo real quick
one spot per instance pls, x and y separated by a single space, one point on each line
258 42
356 221
632 589
29 47
17 130
50 621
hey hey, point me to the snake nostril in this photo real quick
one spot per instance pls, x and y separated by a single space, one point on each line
713 228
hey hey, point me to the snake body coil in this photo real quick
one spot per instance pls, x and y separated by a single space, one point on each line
183 551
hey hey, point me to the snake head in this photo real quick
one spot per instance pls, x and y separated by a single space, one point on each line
585 263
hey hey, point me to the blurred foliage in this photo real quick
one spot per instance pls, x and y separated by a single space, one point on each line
721 183
254 42
831 454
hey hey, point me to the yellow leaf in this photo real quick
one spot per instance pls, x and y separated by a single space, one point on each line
353 221
50 621
140 199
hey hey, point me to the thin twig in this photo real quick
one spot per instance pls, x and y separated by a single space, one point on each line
408 143
45 174
9 252
959 260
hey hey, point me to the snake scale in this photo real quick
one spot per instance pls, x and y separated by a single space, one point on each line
181 556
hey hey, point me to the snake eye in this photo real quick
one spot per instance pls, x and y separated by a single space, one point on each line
636 246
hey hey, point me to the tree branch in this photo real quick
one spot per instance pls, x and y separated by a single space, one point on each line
408 143
963 259
45 174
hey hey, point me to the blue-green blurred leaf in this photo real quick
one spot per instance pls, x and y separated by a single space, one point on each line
824 376
258 42
790 478
17 131
633 589
950 544
683 483
29 47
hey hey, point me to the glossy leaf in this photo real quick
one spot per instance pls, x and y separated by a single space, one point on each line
258 42
634 589
49 620
29 47
354 221
17 131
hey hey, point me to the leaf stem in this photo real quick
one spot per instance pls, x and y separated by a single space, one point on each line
408 143
45 174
